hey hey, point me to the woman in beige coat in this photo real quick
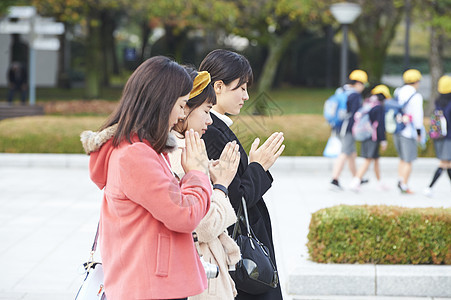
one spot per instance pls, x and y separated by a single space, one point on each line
215 245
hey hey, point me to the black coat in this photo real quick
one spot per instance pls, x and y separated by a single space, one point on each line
252 182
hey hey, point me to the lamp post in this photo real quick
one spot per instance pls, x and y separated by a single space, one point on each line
345 13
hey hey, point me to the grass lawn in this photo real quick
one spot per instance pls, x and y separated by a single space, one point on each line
299 101
295 111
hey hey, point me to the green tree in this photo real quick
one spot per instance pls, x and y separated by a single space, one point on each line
275 24
181 17
374 30
434 15
97 18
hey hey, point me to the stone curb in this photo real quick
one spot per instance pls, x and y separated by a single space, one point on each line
286 163
313 163
370 280
44 160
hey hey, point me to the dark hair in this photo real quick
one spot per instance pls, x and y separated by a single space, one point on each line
353 82
380 97
208 95
147 101
227 66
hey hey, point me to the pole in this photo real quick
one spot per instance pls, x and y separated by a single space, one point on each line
32 62
344 55
329 47
407 37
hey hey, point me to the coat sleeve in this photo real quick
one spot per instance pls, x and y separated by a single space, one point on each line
220 216
353 104
251 180
179 206
377 113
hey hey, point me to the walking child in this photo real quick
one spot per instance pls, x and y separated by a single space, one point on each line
370 146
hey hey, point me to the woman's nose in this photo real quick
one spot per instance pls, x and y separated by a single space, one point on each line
209 120
246 96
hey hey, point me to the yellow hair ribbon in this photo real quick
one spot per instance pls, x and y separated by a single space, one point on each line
200 83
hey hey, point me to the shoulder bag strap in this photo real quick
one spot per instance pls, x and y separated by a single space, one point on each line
237 223
243 202
242 210
94 244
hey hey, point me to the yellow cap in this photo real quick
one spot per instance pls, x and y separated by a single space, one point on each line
444 84
359 75
411 76
381 89
200 83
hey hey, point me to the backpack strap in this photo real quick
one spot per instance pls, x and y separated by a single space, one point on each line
408 100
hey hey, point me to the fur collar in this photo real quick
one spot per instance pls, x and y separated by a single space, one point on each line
93 140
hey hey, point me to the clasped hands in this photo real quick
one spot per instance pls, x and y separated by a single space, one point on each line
222 171
194 157
269 152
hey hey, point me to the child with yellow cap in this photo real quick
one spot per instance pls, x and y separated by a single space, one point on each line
443 145
406 140
370 147
357 81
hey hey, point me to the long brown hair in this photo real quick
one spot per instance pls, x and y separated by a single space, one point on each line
147 101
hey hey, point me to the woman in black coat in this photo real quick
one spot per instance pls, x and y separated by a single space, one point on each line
231 74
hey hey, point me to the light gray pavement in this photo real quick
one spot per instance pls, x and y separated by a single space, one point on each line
49 210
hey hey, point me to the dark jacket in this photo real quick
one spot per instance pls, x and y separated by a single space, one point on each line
252 182
17 76
443 103
353 104
377 113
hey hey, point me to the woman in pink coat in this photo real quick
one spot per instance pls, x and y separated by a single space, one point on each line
147 215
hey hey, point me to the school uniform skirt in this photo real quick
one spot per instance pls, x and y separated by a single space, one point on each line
443 149
369 149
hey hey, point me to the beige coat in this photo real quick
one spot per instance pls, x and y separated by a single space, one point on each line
215 245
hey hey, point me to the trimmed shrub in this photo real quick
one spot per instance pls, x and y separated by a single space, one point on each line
380 235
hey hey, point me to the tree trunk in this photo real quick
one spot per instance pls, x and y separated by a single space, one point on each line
435 65
276 48
93 61
374 30
106 35
145 34
175 41
63 74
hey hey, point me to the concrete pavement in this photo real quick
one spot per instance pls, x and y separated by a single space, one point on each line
49 210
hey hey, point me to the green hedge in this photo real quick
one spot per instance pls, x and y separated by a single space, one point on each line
380 235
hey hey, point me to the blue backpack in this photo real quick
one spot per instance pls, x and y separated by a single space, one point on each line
395 119
335 109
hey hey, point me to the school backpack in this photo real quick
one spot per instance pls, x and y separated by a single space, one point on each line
395 119
438 128
362 129
335 109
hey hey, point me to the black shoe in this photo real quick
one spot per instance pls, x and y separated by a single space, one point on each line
335 185
400 187
364 180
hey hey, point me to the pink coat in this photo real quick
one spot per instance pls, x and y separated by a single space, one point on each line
146 222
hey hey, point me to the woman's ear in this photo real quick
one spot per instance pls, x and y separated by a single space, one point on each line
218 86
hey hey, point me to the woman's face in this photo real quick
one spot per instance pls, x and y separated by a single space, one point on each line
178 111
199 118
230 100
